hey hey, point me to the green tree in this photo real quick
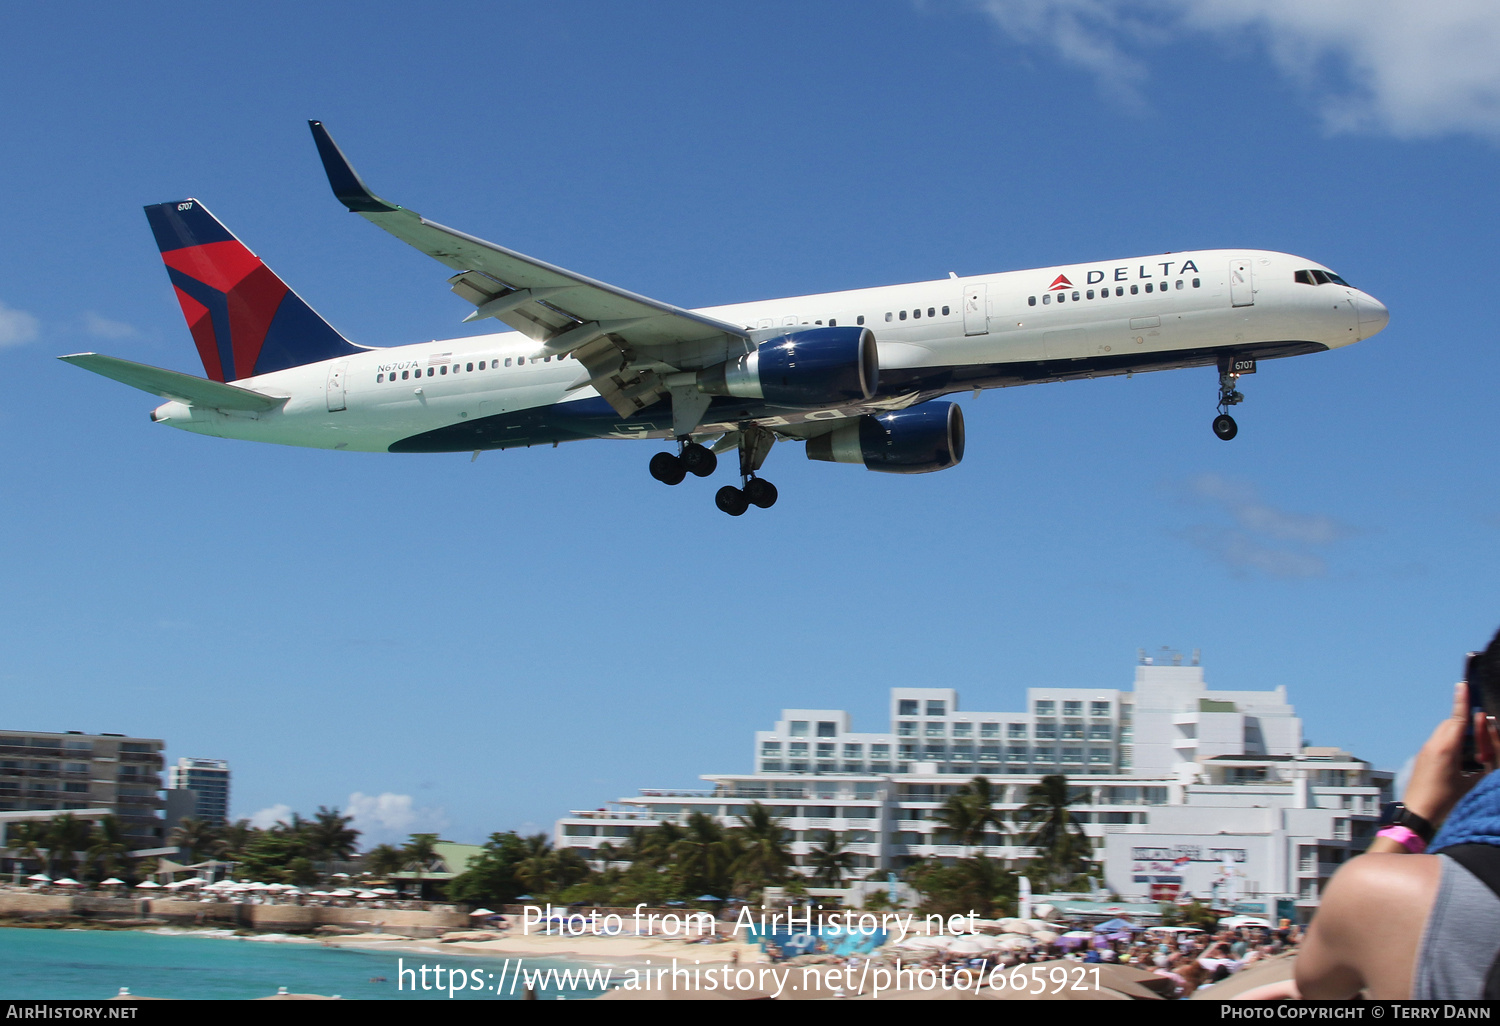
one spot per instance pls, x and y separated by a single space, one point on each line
107 848
329 835
419 854
969 812
978 885
829 860
535 869
763 857
234 838
383 860
66 836
1062 847
268 858
704 856
29 838
198 838
491 878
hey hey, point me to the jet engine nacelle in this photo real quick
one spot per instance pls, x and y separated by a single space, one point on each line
812 367
916 440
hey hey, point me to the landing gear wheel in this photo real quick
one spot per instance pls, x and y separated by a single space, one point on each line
1225 427
667 469
699 459
731 500
760 492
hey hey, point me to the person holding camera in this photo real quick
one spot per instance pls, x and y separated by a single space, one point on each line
1418 915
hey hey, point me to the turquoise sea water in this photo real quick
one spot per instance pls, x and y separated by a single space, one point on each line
93 964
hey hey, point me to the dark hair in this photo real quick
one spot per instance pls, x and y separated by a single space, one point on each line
1487 670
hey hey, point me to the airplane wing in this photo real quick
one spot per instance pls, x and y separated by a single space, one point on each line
627 343
170 384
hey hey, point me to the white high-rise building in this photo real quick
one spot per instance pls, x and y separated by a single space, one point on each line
1181 788
208 780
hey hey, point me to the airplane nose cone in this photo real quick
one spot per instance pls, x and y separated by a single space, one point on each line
1373 316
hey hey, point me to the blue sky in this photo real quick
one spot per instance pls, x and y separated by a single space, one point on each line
477 647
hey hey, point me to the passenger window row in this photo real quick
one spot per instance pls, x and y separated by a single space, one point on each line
461 367
1135 290
916 315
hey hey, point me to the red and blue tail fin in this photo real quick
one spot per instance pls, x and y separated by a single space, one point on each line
244 319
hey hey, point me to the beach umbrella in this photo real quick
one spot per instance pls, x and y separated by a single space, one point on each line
149 885
67 881
40 878
483 912
112 882
1114 926
707 897
342 892
1020 926
966 946
1012 941
1044 937
367 894
524 897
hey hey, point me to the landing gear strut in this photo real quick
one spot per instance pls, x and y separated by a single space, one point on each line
1230 395
754 444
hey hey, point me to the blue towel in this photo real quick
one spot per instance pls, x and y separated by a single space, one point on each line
1475 820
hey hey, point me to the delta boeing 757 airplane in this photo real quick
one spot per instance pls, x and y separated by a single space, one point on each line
857 376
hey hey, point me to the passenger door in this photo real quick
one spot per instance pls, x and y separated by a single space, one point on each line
1241 282
976 301
336 375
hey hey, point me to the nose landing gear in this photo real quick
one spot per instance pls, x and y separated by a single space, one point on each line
1230 369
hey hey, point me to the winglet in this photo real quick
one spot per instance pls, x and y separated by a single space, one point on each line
350 189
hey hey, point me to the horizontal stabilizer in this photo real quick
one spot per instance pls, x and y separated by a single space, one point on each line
171 384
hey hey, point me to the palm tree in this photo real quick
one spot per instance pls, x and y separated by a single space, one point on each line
537 865
195 836
704 855
830 861
970 811
107 848
234 838
66 836
30 838
763 856
1062 847
329 835
383 860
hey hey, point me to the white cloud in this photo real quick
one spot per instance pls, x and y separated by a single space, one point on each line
103 327
269 817
390 818
17 327
1261 539
1411 70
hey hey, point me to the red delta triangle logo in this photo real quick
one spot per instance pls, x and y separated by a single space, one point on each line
1059 283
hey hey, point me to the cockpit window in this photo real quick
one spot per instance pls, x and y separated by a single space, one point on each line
1313 276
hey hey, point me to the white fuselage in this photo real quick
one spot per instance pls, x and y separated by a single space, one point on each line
1211 299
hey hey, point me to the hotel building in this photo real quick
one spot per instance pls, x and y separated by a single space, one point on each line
67 771
1182 789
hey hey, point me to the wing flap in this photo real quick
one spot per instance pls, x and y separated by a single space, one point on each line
170 384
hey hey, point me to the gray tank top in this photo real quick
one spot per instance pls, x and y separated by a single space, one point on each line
1460 940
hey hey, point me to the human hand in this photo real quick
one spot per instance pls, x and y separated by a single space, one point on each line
1436 782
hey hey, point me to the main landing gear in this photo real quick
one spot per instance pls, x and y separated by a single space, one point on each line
753 442
1229 395
692 458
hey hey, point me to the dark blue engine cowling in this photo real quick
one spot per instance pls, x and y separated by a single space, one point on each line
810 367
917 440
